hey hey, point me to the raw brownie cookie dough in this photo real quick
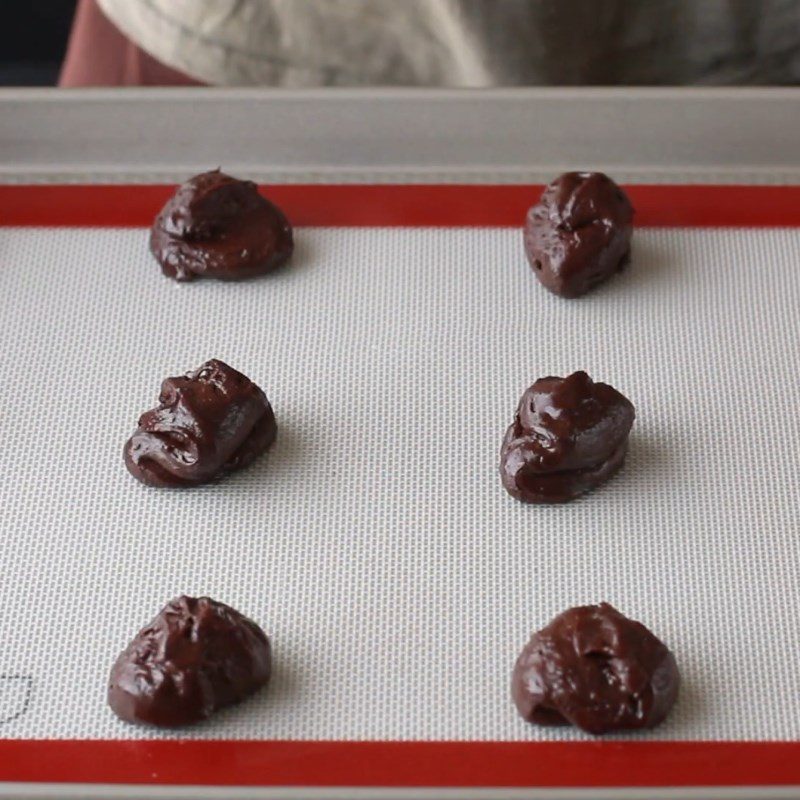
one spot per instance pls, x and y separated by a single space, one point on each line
208 423
194 658
596 669
568 436
579 233
215 226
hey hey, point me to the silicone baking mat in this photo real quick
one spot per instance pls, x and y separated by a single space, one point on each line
375 543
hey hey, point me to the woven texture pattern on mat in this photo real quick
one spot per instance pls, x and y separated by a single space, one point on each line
374 543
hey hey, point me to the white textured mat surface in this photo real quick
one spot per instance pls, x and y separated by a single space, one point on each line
375 543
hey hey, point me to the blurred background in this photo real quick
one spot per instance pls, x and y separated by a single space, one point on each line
33 40
399 42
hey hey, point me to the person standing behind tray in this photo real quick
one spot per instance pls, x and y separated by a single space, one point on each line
459 43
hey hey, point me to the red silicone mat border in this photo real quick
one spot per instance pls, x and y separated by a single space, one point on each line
402 764
407 205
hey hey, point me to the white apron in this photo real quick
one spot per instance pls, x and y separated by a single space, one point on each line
467 42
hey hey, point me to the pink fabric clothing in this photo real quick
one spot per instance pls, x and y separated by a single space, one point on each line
98 54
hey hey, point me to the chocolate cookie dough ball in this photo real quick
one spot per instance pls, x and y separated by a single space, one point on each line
596 669
579 233
568 436
195 657
215 226
208 423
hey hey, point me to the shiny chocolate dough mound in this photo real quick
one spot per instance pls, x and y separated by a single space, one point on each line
568 436
596 669
208 423
215 226
579 233
194 658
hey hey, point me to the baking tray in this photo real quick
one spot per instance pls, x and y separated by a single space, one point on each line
375 543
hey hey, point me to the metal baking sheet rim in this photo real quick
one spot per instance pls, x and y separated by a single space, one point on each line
689 135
